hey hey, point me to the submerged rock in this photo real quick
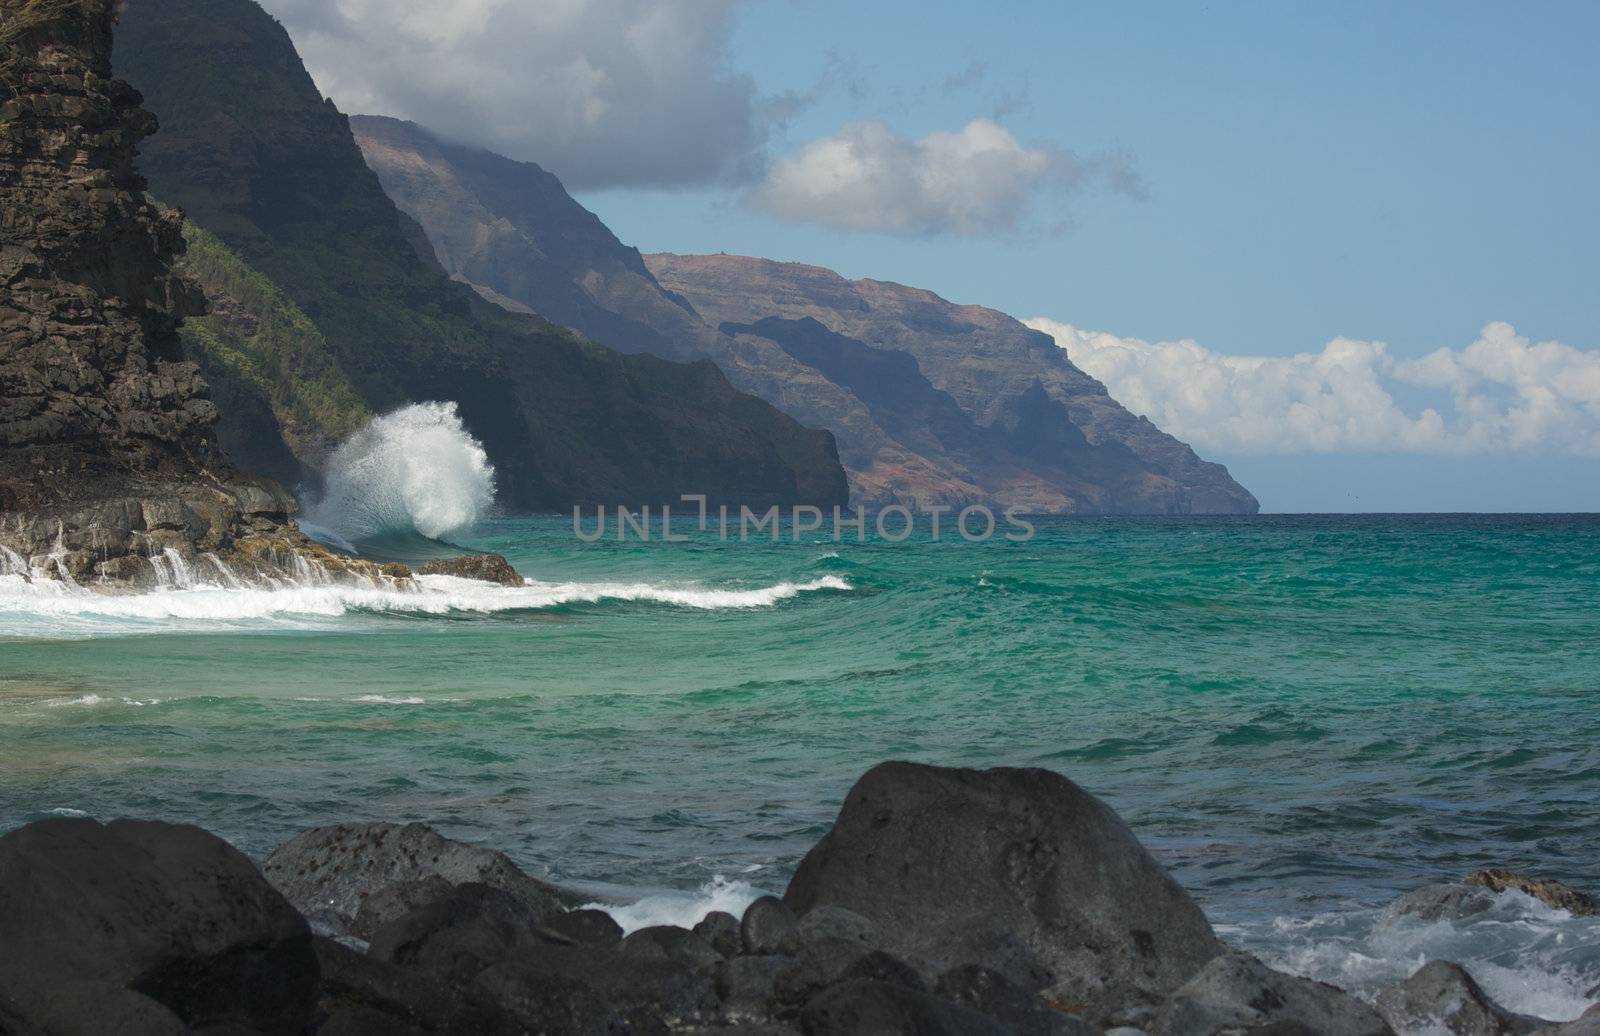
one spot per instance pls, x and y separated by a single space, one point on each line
1443 903
152 912
1443 996
928 854
1236 992
1547 891
328 873
488 568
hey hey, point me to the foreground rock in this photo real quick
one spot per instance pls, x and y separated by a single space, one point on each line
1236 992
351 879
1019 870
488 568
158 923
942 902
1443 996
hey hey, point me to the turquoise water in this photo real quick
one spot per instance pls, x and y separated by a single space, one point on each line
1302 717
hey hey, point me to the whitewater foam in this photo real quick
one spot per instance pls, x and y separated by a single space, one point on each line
683 909
1526 955
413 469
52 608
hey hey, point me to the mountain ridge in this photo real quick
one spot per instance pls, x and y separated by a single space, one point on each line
1043 435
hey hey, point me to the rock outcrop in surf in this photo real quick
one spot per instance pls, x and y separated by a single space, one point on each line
109 470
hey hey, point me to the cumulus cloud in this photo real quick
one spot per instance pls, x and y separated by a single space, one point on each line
977 181
1500 394
605 93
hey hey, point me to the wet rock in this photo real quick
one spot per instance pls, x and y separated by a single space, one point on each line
642 986
367 994
1020 1010
585 928
551 1003
989 944
925 852
164 911
488 568
867 1008
327 872
365 1021
721 929
667 942
1443 996
454 938
1442 902
392 901
80 1008
747 986
768 925
1238 992
828 963
835 923
1545 890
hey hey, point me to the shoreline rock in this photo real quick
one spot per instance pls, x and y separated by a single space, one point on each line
487 568
942 901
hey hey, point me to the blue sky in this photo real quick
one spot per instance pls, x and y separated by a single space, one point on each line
1419 175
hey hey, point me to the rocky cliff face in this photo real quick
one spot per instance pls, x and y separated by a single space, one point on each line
1009 379
107 458
930 402
95 387
256 156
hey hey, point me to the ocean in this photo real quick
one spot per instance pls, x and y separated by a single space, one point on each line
1302 717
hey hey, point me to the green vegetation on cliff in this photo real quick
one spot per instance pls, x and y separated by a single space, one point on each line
284 400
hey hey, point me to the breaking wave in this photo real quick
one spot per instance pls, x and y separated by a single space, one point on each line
413 469
1528 956
51 608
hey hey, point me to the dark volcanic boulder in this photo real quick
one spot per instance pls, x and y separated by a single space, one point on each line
868 1008
358 990
164 911
929 854
328 873
1238 993
488 568
1442 996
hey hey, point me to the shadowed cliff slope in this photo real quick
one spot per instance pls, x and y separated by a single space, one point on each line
253 154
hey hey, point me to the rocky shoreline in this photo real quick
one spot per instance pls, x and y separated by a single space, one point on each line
942 901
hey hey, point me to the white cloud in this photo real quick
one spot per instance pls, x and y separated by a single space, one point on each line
604 93
1499 394
977 181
